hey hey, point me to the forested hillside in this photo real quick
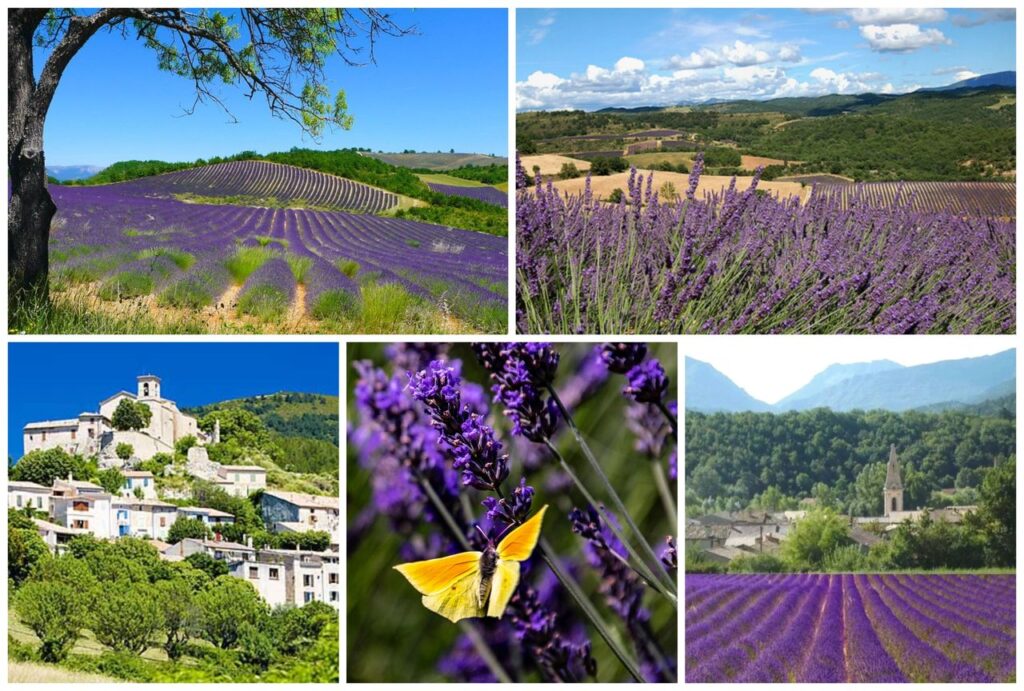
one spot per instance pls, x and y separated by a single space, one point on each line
732 459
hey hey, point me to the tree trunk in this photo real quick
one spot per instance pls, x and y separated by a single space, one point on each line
30 209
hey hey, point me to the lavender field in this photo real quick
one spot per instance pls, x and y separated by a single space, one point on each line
293 268
739 261
488 194
850 628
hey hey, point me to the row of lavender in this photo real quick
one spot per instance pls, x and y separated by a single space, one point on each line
743 262
266 179
488 194
991 199
850 628
104 229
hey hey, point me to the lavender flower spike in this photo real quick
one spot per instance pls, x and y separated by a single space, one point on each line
648 382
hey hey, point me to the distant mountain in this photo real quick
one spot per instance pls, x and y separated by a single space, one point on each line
63 173
832 376
710 391
437 161
1002 79
951 384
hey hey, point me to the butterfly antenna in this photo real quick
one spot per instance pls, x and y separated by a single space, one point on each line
481 530
505 531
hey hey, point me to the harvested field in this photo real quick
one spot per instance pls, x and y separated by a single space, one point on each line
603 185
752 162
987 199
551 164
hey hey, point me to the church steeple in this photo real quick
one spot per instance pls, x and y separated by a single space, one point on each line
892 493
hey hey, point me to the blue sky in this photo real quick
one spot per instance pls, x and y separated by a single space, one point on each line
51 381
443 88
592 59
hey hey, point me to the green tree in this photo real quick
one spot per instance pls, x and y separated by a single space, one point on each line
667 192
187 527
996 515
131 415
55 604
126 616
111 479
226 605
813 537
295 628
24 546
176 599
280 54
255 647
43 466
930 544
124 451
182 446
213 568
616 195
568 171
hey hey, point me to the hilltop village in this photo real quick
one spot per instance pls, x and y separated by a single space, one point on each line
153 478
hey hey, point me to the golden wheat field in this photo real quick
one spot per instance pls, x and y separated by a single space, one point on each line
551 164
603 185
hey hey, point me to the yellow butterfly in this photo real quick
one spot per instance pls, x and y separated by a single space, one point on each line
472 584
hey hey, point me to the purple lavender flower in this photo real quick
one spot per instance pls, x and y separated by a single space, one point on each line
511 510
648 382
622 357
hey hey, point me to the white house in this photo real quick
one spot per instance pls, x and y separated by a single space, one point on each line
293 577
146 518
241 480
223 550
91 434
22 494
56 536
141 480
89 511
210 517
295 512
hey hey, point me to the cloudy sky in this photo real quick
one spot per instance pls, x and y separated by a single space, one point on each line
592 59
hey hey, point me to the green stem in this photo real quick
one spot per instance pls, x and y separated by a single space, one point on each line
547 554
664 490
637 565
659 568
485 652
672 422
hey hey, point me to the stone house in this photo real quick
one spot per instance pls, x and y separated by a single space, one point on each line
141 480
22 494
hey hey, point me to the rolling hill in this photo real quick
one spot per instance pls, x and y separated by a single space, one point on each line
437 161
880 385
289 414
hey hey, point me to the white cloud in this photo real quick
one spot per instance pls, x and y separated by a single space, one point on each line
887 16
965 74
540 30
631 83
741 53
901 38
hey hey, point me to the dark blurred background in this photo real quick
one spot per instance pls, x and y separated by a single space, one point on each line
391 637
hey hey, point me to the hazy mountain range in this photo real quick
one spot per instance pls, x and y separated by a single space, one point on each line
72 172
881 384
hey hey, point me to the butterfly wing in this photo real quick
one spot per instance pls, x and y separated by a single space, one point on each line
518 545
432 575
461 599
450 585
506 578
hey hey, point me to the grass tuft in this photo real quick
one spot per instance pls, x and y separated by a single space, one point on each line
245 260
349 267
299 265
265 302
126 285
335 305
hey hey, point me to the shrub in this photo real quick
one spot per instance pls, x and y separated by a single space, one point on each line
245 260
126 285
111 479
265 302
187 527
349 267
335 304
124 451
568 171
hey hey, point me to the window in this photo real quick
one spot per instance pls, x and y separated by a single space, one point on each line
254 572
252 477
19 501
74 434
145 482
44 435
332 578
334 596
307 581
163 521
80 506
79 523
273 574
308 597
39 502
92 433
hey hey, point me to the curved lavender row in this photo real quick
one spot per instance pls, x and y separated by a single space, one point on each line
863 628
115 224
323 277
867 659
490 195
976 603
918 660
942 632
825 660
780 657
266 179
737 262
275 273
977 198
735 654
